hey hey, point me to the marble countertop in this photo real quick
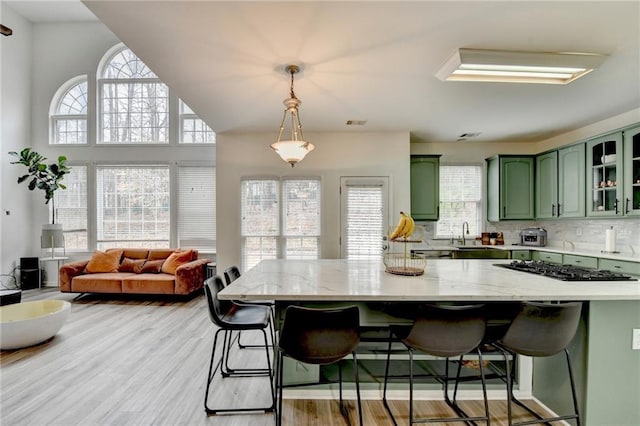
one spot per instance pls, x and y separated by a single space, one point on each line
443 280
577 252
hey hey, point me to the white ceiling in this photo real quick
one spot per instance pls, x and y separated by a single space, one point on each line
376 61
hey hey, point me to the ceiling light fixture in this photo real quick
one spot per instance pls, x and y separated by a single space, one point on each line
502 66
296 148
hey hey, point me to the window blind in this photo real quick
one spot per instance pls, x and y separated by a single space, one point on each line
71 208
365 225
460 200
197 207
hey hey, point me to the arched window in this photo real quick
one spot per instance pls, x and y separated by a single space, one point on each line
68 112
134 103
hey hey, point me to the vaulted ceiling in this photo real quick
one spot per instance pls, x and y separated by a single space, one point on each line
376 61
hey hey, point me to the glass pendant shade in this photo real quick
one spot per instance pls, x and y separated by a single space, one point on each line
292 151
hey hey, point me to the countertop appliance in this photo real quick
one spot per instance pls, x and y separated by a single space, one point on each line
533 237
565 272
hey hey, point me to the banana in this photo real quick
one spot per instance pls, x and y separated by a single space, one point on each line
398 231
412 226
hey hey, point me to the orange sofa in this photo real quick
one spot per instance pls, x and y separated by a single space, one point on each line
135 271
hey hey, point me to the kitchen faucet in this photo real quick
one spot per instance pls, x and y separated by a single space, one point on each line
462 237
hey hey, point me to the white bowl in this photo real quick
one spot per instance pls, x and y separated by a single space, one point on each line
29 323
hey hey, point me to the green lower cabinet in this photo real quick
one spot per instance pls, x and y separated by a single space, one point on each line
584 261
521 254
547 256
620 266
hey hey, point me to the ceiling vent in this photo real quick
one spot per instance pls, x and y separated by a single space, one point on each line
356 122
469 135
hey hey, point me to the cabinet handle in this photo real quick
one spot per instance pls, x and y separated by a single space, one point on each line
553 210
559 209
626 208
504 211
615 205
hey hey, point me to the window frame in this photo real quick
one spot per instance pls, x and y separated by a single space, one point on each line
279 236
54 117
481 221
364 181
101 81
102 244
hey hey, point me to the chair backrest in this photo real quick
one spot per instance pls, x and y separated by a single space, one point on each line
319 336
447 330
231 274
542 329
217 308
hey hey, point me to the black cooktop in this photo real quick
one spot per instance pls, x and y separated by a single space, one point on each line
565 272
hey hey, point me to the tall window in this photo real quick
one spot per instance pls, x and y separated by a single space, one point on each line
364 217
132 206
71 209
134 103
68 113
197 207
192 129
272 229
460 201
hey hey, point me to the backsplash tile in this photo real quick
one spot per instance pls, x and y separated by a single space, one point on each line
563 233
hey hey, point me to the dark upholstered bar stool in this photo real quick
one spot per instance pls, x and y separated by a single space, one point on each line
540 330
442 331
228 317
231 274
319 336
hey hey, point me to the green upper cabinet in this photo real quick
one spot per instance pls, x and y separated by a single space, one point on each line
632 171
547 185
425 187
560 179
571 181
604 176
510 183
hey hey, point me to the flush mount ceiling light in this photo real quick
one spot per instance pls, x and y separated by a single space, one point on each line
294 149
504 66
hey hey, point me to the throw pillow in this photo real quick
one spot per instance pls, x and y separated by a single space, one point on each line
104 262
176 259
151 267
131 265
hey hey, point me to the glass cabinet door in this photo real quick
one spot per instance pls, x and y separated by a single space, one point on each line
632 171
604 160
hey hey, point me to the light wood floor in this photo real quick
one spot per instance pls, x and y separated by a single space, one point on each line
143 361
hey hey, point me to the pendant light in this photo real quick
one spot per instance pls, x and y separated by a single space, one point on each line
294 149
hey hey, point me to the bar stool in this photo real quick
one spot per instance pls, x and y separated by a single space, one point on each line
231 274
319 336
540 330
228 317
442 331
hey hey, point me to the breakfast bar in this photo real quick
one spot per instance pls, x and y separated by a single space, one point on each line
608 370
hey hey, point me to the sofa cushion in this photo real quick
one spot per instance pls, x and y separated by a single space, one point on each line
99 282
176 259
150 267
104 262
157 254
149 284
134 253
131 265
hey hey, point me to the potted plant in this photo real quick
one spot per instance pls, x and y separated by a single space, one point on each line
42 176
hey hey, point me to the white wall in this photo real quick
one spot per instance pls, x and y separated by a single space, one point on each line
335 155
16 230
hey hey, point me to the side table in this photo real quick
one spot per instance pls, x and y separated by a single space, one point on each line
59 260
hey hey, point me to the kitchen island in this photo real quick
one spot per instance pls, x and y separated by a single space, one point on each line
608 369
